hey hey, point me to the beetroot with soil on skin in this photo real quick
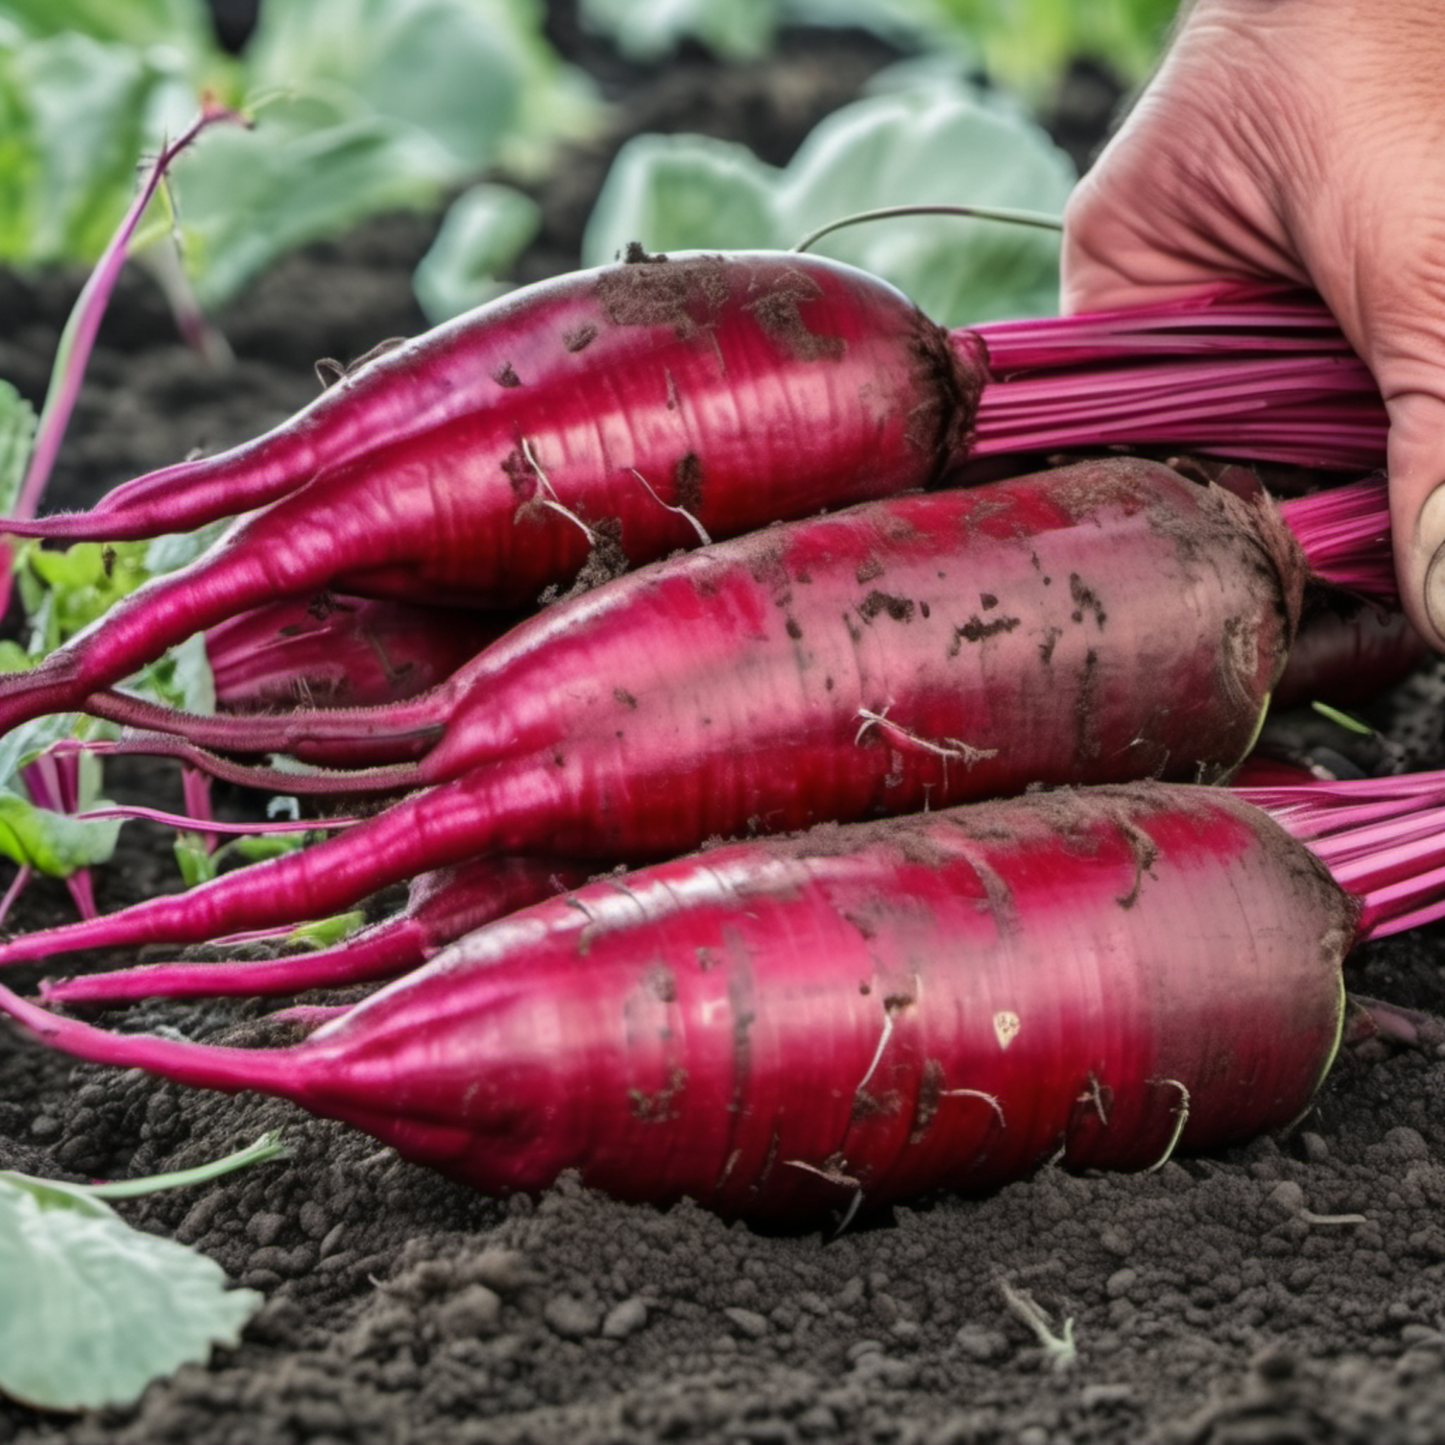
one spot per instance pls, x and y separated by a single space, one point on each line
644 399
1098 975
1342 533
1095 623
611 416
1035 580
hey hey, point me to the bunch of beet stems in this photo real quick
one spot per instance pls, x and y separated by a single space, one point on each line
1093 623
1097 976
609 417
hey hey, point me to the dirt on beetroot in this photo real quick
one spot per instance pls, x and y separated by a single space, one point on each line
1289 1290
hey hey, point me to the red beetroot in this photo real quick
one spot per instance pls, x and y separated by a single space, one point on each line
608 414
611 416
1095 623
856 1015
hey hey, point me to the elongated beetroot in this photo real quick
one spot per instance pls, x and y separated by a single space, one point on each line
611 413
1099 622
854 1015
907 616
612 416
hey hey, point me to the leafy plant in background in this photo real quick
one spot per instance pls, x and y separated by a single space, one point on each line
935 139
1024 44
362 106
1027 44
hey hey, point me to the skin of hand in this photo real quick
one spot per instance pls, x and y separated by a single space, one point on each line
1299 140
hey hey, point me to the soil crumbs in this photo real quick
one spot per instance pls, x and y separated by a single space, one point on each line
1292 1290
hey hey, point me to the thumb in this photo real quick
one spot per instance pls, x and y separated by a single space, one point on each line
1416 461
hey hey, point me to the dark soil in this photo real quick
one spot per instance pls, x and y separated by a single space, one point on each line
1213 1300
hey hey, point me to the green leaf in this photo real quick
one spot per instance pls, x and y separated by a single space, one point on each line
484 231
247 197
182 678
1029 45
328 931
738 30
199 863
257 847
684 193
937 141
466 73
195 860
17 432
174 550
67 590
363 106
135 23
91 1310
22 743
57 844
78 110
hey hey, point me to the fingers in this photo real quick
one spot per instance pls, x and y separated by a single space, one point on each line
1116 255
1417 507
1385 284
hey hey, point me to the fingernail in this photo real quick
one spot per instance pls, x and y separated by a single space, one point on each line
1430 535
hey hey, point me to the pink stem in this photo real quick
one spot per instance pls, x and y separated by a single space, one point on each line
81 329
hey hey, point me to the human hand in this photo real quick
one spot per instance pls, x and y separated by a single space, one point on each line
1301 140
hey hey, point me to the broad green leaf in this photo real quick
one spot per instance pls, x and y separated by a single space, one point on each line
176 549
19 161
91 1310
944 144
247 197
84 107
483 232
21 744
939 142
469 74
140 24
738 30
363 106
64 591
57 844
683 193
182 678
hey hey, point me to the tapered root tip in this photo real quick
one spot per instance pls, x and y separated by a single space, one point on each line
269 1071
